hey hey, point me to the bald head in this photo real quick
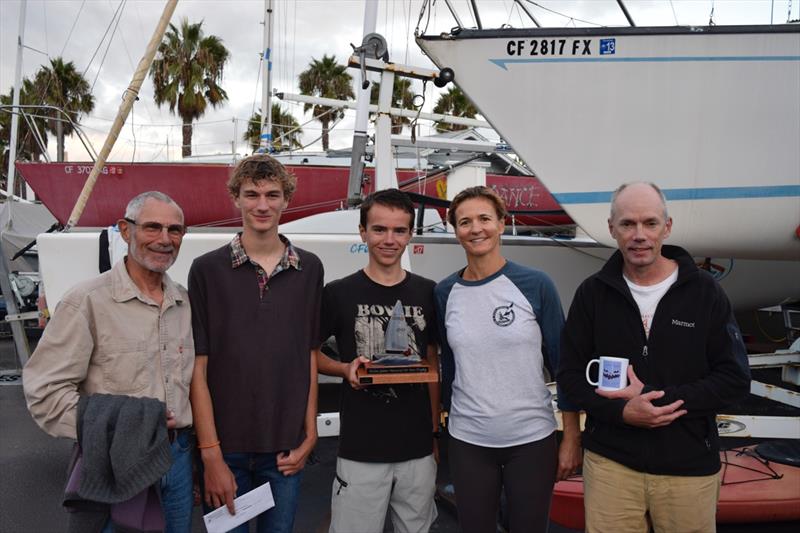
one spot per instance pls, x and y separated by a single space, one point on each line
645 189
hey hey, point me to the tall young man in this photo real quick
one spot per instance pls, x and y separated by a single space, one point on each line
387 446
255 313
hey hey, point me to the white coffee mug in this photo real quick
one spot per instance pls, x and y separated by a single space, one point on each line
613 373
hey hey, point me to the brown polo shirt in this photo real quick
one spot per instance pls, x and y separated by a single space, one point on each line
257 332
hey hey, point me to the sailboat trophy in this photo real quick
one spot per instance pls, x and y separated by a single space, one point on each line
397 364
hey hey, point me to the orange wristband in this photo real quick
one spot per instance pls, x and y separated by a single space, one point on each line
212 445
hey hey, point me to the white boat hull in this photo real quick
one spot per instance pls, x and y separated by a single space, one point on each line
68 258
711 115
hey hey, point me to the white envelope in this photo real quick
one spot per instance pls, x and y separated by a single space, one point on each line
247 506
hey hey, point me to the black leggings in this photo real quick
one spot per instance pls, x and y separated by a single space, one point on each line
527 472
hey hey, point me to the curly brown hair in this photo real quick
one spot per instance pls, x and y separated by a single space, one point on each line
477 192
259 167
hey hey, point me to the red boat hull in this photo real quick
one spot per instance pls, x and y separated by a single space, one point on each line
750 493
200 190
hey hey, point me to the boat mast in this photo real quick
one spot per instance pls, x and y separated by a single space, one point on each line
15 111
266 87
362 115
128 97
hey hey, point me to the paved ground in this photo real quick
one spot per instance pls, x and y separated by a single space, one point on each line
32 472
33 464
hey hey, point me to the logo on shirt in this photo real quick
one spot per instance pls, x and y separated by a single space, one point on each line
682 323
504 315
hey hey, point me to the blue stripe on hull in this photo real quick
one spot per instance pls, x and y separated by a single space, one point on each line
504 62
712 193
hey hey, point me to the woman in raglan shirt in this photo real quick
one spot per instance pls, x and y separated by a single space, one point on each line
500 326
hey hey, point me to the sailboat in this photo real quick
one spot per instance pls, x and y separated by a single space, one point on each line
711 114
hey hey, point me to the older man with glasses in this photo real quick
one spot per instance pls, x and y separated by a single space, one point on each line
126 333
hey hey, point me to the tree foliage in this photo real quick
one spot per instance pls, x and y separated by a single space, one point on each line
187 73
327 79
285 130
454 102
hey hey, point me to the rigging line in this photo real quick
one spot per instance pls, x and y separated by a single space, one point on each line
46 39
330 129
511 13
469 8
36 50
285 49
133 132
255 92
133 68
408 31
674 15
422 12
392 18
74 23
103 38
386 16
108 47
562 14
294 45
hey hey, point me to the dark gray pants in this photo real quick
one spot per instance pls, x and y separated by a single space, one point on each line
527 472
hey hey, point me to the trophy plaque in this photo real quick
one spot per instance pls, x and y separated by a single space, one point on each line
396 364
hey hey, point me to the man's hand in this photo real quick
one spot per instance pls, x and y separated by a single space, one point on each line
640 411
171 421
294 461
352 367
634 388
570 456
220 484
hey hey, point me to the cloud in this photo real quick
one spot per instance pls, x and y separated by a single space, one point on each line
303 29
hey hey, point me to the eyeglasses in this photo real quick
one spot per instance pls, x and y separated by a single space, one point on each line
155 228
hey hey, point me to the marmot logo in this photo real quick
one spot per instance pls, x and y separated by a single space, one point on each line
682 324
504 315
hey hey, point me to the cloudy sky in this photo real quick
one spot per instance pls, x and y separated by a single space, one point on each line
107 48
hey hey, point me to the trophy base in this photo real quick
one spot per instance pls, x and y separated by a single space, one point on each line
381 374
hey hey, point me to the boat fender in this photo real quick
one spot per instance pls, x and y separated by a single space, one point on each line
104 262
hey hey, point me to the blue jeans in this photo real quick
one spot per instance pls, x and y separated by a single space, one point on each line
252 470
177 499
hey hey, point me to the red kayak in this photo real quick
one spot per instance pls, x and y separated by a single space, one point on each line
754 489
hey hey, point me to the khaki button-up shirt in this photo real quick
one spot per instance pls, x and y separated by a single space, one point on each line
107 337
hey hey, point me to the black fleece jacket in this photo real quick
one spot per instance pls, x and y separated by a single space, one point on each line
694 353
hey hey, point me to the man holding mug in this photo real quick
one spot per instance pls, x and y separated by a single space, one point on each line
652 447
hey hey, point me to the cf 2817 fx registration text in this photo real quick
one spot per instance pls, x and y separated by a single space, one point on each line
549 47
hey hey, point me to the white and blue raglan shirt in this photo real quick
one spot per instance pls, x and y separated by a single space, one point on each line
497 334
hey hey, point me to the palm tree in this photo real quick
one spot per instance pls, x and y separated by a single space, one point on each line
283 123
27 147
186 74
454 102
61 85
327 79
402 97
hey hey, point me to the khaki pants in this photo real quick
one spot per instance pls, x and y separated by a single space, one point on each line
362 493
621 500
